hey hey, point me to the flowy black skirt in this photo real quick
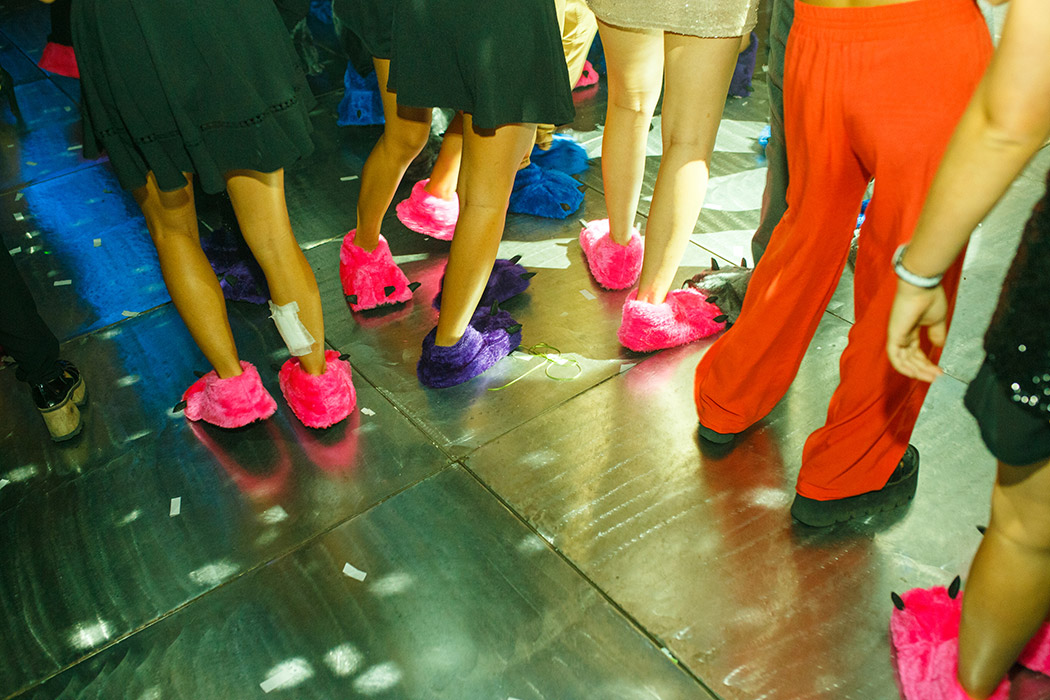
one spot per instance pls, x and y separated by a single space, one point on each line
184 86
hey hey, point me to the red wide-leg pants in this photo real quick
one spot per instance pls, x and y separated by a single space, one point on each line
868 92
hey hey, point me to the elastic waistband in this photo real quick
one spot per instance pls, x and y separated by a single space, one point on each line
882 21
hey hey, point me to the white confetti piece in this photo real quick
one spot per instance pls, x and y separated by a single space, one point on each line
128 380
176 506
353 572
287 674
129 314
19 196
3 483
63 283
273 515
15 251
348 178
98 242
75 148
587 295
18 216
625 367
368 411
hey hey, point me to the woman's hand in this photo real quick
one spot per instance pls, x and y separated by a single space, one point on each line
914 308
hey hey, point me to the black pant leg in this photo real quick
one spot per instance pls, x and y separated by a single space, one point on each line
23 333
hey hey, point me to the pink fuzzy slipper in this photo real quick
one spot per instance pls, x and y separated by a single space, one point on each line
684 316
924 631
614 266
229 403
319 401
432 216
588 77
371 279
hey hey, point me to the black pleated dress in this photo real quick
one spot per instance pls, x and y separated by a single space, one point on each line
501 61
203 87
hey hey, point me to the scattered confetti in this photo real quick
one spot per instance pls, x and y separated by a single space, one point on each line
18 216
587 295
98 242
63 283
176 506
368 411
75 148
15 251
287 675
129 314
19 196
3 483
348 178
353 572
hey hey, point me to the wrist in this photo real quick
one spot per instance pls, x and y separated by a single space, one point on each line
908 276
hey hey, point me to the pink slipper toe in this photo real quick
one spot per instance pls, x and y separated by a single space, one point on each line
233 402
432 216
371 279
613 266
684 316
319 401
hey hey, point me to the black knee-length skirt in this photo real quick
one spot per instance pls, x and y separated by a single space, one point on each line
184 86
501 61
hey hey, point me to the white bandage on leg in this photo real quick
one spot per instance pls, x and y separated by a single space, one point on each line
292 330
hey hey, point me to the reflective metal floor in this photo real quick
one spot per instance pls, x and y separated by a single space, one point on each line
552 539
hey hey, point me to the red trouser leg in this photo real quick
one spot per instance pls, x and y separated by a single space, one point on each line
900 128
746 372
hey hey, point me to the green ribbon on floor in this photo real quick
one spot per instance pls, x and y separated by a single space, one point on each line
552 358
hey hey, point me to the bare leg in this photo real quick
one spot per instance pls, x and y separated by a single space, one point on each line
490 162
697 74
444 176
405 134
635 59
1008 591
171 218
258 201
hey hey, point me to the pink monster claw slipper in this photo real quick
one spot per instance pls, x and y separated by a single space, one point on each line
432 216
319 401
613 266
233 402
588 77
924 631
684 316
371 279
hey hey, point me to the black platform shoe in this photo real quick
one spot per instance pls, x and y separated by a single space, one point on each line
58 399
7 91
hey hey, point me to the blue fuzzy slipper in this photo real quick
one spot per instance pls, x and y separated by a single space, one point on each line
490 337
361 104
564 155
547 193
507 280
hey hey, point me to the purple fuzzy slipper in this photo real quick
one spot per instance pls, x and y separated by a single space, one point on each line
613 266
507 280
740 85
489 338
432 216
684 316
371 279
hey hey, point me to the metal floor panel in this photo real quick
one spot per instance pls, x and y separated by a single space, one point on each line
91 552
698 545
458 600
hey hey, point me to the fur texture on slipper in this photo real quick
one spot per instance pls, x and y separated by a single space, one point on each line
547 193
684 316
371 279
322 400
233 402
613 266
429 215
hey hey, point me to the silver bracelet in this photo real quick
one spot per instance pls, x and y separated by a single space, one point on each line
909 276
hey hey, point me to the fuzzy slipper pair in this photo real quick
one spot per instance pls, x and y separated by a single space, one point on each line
507 280
683 317
318 401
490 336
371 279
924 631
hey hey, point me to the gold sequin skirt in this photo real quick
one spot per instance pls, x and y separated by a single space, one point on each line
704 18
